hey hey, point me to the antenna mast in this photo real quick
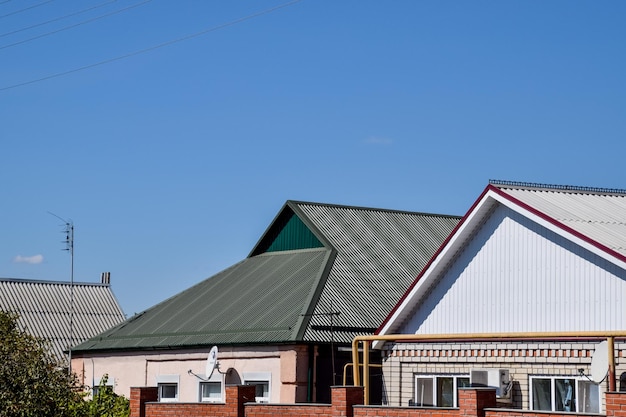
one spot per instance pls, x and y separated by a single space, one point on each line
69 246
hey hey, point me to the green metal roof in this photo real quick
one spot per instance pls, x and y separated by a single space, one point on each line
263 299
314 263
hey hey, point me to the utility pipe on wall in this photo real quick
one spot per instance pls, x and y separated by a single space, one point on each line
609 335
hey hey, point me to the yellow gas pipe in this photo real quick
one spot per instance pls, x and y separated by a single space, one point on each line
609 335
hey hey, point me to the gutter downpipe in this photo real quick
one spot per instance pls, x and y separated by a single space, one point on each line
609 335
611 353
366 371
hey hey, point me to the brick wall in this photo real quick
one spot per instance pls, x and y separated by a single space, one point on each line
402 361
139 397
287 410
347 402
143 403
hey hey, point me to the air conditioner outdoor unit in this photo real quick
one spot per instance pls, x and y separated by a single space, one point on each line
491 377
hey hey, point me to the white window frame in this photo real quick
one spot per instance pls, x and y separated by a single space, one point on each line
579 383
264 377
166 380
216 378
433 377
98 381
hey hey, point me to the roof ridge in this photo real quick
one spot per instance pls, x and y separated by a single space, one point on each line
43 281
363 208
556 187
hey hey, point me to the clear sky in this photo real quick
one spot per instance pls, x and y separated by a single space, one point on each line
172 132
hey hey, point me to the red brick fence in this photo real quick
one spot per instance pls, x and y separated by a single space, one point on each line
346 402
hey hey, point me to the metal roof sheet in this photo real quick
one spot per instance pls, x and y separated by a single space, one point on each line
44 310
592 216
262 299
379 253
598 214
369 258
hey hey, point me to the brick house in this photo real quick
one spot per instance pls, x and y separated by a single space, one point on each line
526 258
283 318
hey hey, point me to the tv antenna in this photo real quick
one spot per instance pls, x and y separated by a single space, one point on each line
69 246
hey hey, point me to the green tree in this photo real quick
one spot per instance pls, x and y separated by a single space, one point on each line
31 381
34 383
105 403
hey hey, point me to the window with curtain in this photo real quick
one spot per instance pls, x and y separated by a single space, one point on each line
564 394
439 390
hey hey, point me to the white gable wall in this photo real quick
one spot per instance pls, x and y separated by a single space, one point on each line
515 275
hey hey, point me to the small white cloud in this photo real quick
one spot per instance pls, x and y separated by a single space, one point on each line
379 141
35 259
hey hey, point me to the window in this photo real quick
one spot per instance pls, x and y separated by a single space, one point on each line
439 391
167 387
168 392
211 390
101 385
262 381
564 394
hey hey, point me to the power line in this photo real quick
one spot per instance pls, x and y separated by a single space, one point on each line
25 9
152 48
84 22
56 19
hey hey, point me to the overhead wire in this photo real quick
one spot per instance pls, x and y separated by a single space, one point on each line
56 19
84 22
152 48
26 8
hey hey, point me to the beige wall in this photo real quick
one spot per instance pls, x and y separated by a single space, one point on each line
287 366
402 361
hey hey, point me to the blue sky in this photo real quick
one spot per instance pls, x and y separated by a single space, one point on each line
172 162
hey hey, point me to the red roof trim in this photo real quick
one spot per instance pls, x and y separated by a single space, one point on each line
429 263
558 224
519 203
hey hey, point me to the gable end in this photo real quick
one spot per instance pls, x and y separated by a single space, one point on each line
288 232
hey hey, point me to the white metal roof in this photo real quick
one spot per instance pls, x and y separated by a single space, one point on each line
592 218
597 214
45 309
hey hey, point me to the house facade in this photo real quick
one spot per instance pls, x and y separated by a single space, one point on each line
519 295
283 318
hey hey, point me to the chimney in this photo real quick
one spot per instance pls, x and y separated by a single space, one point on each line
105 278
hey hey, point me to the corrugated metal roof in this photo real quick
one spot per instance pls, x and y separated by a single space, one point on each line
599 214
44 309
593 217
379 253
369 258
262 299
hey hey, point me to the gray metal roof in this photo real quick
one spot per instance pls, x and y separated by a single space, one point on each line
596 213
379 253
44 309
367 260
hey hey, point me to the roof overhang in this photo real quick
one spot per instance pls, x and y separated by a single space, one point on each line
491 197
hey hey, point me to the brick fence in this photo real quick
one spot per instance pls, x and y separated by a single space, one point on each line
346 402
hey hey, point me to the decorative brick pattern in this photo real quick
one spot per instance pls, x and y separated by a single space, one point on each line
402 361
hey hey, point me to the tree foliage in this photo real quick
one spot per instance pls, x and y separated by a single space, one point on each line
33 383
105 403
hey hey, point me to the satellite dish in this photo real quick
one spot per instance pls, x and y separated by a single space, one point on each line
600 362
211 362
